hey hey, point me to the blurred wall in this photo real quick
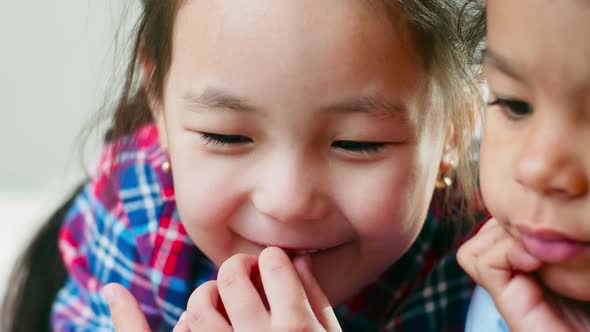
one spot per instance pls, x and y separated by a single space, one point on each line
56 60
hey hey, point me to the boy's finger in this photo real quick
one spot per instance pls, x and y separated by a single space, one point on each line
125 311
202 312
286 296
319 302
500 264
470 252
489 235
517 294
489 224
243 304
524 307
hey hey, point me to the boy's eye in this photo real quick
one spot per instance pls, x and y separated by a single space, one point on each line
356 146
220 139
515 109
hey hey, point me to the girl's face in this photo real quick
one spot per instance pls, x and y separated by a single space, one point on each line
535 160
301 124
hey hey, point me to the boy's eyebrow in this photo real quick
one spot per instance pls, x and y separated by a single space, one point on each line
501 63
215 98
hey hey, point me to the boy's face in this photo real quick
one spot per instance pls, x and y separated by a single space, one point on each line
304 125
535 160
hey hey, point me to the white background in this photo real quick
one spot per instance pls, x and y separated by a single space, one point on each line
56 64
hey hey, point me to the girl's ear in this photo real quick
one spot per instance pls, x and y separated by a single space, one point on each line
155 104
160 122
159 116
449 161
450 155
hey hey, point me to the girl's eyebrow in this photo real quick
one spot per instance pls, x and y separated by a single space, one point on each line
378 105
502 64
215 98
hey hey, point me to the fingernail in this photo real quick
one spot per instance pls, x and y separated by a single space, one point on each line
111 294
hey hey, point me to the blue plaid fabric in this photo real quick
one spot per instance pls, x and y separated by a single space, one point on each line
124 227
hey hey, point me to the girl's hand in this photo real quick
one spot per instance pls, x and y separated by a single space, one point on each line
500 264
125 311
291 301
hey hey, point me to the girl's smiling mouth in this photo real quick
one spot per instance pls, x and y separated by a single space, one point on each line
293 252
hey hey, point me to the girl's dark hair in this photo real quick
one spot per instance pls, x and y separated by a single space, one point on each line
446 33
36 278
40 272
450 37
148 66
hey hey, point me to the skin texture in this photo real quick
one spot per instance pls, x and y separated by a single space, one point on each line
294 300
301 93
535 169
287 127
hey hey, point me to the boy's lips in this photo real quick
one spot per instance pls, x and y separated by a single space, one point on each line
551 246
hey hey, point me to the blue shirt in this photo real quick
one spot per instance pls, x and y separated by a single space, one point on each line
482 315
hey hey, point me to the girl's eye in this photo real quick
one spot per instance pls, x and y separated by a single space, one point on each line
356 146
219 139
515 109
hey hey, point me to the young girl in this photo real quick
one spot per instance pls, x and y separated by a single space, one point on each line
319 127
534 256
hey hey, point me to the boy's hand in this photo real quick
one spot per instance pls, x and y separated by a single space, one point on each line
291 301
500 264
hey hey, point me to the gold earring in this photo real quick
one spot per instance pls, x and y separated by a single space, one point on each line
166 166
443 181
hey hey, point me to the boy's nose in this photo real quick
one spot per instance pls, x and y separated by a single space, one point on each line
551 164
290 192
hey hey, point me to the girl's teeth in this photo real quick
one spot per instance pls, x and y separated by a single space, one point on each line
305 252
299 252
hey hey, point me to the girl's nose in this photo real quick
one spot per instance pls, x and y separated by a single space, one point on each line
550 163
288 191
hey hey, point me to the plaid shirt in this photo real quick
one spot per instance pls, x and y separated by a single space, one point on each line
124 227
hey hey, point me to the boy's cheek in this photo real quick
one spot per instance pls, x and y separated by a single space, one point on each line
495 176
569 281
